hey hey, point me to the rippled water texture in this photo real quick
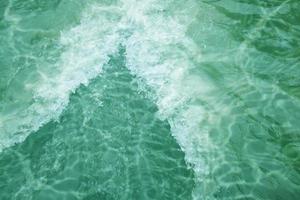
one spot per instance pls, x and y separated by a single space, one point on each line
149 99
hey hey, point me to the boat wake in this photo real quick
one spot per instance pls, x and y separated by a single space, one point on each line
157 52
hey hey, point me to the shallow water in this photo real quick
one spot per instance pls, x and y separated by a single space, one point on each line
149 99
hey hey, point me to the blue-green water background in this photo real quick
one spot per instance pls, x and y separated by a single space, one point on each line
149 99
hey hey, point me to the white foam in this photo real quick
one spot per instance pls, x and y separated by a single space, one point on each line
158 52
161 55
86 48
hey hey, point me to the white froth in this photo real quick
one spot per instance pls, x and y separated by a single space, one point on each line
87 48
160 53
157 51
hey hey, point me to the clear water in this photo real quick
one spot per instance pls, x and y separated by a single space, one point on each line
149 99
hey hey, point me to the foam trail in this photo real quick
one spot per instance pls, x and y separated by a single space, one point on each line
162 56
86 48
158 52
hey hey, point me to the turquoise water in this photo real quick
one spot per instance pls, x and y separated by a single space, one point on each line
149 99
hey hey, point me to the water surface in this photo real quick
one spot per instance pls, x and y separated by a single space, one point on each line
149 99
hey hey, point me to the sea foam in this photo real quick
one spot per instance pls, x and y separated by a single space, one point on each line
161 55
86 48
158 52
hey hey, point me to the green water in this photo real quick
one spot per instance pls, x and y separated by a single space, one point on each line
149 99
